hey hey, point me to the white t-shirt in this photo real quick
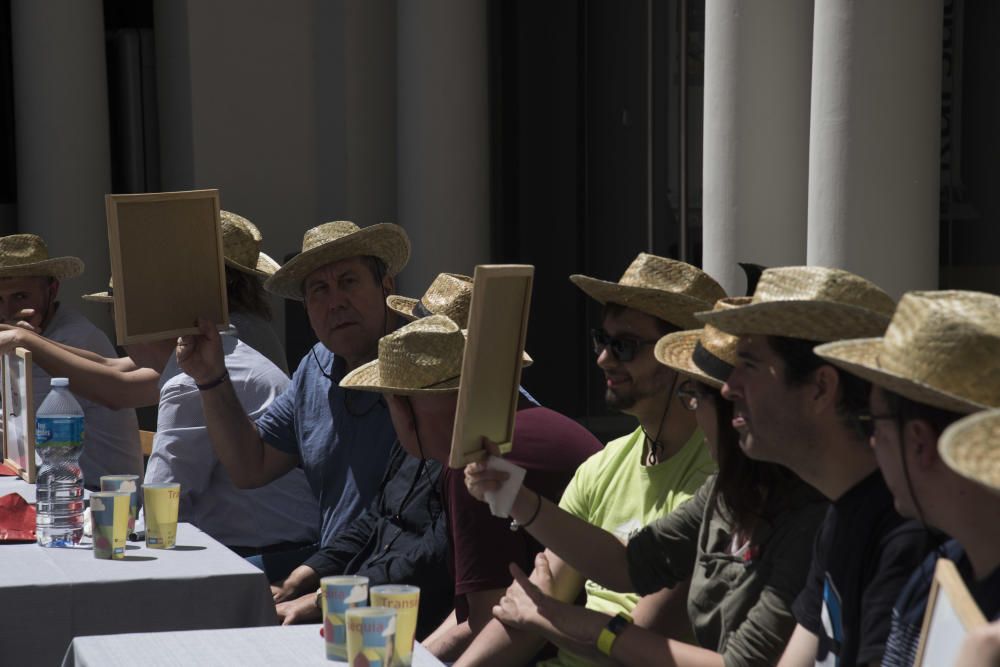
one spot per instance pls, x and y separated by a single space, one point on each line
283 511
111 437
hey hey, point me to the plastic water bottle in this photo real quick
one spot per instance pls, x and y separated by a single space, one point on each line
59 489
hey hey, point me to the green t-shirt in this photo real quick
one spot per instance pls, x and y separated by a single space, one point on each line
614 491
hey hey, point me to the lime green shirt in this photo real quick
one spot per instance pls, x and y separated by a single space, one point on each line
613 490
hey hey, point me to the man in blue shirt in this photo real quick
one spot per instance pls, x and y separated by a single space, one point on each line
341 438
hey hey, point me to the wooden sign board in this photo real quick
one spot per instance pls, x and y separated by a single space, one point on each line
19 414
491 368
166 263
951 614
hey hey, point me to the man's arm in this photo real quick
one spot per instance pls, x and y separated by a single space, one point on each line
592 551
113 383
250 462
498 645
801 649
577 629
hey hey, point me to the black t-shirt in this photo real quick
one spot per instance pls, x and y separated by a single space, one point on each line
908 614
864 554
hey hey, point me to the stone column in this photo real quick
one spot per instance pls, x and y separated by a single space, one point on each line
874 141
443 135
756 133
63 145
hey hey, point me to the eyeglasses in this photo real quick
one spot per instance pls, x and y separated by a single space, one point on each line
623 349
867 421
691 395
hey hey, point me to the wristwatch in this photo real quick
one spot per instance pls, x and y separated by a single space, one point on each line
610 632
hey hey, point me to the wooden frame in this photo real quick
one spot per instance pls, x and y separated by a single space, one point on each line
19 414
166 263
491 367
951 613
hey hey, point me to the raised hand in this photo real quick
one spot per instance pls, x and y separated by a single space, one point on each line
201 355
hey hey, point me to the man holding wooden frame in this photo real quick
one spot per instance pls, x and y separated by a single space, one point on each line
643 475
939 359
341 439
29 288
418 370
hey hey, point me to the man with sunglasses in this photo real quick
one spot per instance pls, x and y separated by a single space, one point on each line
957 334
643 475
793 408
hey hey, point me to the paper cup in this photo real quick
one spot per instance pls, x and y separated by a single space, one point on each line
161 502
406 601
371 636
124 483
109 518
339 595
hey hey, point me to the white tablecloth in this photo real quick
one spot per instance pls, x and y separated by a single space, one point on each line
50 596
298 645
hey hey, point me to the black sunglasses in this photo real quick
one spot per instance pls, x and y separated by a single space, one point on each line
692 395
623 349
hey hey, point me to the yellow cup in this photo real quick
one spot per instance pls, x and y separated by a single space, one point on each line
109 513
371 636
406 601
340 593
161 502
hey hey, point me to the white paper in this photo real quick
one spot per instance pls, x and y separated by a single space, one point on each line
502 499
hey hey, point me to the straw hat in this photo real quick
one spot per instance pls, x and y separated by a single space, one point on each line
941 349
811 303
241 246
707 355
27 255
665 288
450 294
334 241
971 447
102 297
423 357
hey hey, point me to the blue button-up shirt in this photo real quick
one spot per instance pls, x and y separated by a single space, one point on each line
342 437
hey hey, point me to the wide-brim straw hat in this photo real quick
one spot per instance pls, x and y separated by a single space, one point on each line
24 255
971 447
423 357
667 289
102 297
334 241
707 355
810 303
241 242
450 294
941 349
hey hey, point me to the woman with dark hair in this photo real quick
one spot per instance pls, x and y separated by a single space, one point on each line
744 542
246 268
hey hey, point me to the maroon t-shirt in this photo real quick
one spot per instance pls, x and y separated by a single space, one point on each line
550 447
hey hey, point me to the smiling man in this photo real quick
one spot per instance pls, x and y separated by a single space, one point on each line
793 408
641 476
341 438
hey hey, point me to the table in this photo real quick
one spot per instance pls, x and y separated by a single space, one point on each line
247 647
52 595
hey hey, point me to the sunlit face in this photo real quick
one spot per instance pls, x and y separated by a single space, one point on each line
33 292
346 308
889 446
770 415
630 384
424 423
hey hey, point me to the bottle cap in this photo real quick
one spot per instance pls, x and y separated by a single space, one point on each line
59 382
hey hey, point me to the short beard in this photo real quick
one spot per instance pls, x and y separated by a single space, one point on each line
619 402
